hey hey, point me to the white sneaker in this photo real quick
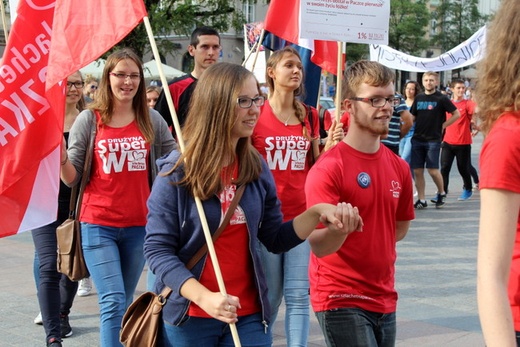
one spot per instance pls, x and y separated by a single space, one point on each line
85 287
38 320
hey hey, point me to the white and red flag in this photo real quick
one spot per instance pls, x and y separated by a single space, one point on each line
283 20
31 115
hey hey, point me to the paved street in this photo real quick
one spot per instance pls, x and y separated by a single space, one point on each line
436 276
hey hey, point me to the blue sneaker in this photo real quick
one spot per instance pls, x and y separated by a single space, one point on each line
466 195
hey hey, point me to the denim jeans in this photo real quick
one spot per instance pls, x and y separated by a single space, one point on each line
209 332
55 291
115 260
354 327
425 154
287 276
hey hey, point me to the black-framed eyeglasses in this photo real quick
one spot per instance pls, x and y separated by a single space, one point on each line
380 102
245 102
77 84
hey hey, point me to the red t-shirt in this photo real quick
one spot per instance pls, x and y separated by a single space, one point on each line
328 116
361 273
459 133
118 188
500 169
286 151
236 264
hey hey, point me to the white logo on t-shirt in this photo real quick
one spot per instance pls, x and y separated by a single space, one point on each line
131 150
282 150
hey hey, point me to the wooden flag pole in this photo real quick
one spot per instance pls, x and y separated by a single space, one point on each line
339 82
198 202
259 45
249 54
4 21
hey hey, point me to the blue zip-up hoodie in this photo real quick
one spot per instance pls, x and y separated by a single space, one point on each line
174 233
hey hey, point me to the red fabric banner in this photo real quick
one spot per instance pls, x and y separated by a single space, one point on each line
30 124
32 104
283 20
87 29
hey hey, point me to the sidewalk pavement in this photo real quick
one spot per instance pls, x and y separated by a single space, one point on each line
435 279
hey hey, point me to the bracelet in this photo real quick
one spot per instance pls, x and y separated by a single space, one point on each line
65 161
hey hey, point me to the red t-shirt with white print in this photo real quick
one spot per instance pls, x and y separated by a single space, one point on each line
285 149
118 188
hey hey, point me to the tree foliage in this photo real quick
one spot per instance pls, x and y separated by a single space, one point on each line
408 22
456 20
181 17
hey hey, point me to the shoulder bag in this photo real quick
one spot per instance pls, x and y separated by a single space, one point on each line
140 323
68 235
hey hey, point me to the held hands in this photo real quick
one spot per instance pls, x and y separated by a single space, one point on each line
341 219
223 308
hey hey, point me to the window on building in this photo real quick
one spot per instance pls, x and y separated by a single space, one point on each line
249 11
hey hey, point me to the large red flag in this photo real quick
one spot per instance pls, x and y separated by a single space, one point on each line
31 123
87 29
31 118
283 20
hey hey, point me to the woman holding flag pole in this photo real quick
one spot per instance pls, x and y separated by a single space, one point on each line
224 111
287 136
128 136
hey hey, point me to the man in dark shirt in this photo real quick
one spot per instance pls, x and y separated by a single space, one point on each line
205 49
429 109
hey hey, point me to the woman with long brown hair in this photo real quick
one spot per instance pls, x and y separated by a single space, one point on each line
128 137
498 97
287 135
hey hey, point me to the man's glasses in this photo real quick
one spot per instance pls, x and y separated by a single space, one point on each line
78 84
122 76
379 102
245 102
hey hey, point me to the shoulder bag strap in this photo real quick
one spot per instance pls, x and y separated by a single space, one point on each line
195 259
86 169
200 253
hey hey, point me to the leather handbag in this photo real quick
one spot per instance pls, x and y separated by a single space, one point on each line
70 253
142 318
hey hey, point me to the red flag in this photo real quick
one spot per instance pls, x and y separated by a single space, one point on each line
283 20
31 123
87 29
31 119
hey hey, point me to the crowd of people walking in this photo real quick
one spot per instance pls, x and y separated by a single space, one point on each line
316 221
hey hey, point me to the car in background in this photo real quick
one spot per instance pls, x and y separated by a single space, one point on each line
327 103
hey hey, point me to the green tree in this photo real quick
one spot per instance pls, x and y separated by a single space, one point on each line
356 51
457 21
408 23
181 17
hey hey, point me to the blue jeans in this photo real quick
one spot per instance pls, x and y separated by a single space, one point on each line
287 276
347 327
209 332
55 291
115 260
